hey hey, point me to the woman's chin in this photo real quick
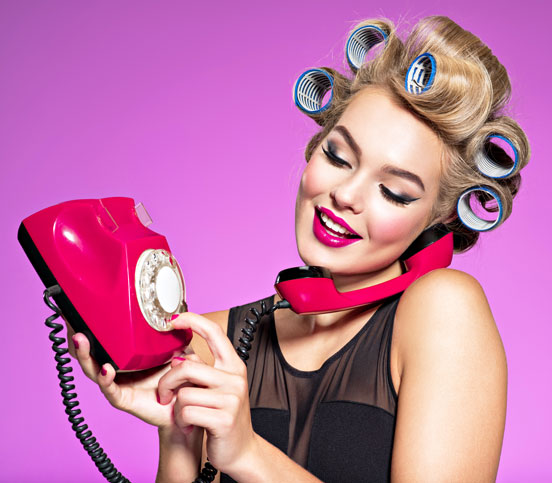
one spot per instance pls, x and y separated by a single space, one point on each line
349 274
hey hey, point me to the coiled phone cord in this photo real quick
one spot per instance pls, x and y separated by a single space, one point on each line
208 473
84 435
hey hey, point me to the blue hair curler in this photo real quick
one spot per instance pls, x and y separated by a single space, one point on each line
467 211
497 158
360 42
309 91
420 74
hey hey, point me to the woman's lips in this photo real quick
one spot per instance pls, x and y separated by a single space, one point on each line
328 235
337 219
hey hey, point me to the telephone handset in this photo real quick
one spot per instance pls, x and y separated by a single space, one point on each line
311 290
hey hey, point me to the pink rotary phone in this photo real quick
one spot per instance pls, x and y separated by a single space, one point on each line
120 284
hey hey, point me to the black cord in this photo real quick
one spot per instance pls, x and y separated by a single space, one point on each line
251 326
89 443
208 473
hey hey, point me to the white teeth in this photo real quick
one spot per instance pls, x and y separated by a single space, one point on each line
334 226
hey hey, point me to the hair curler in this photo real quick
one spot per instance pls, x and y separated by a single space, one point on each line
119 283
311 290
497 158
360 42
309 91
479 208
421 73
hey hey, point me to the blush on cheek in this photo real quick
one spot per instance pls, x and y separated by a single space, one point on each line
314 180
394 229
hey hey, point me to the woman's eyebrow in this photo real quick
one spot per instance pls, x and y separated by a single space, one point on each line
389 169
403 173
349 139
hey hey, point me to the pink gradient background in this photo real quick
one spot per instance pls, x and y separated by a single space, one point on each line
187 107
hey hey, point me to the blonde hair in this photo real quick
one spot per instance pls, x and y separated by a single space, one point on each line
464 106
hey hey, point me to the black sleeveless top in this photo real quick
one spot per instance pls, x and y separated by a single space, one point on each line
338 421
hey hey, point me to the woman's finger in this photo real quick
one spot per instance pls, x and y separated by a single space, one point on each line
70 334
82 348
191 372
212 420
216 339
199 396
186 357
111 390
104 376
182 372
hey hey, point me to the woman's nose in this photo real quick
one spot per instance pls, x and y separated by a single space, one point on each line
349 194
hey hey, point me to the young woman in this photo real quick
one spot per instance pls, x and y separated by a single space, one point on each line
413 389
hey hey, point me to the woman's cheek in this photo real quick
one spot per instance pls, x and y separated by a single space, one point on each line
393 226
314 180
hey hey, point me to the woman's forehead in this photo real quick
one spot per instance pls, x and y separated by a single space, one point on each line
387 132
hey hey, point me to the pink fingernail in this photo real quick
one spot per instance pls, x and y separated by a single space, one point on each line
75 343
179 358
103 371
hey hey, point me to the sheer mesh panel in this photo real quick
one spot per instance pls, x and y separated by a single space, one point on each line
337 421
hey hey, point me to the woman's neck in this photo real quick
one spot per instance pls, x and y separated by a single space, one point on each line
346 283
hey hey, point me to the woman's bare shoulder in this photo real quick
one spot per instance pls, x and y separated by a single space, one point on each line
452 376
445 292
445 313
447 280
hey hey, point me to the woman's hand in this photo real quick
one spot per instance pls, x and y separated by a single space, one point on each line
217 400
134 392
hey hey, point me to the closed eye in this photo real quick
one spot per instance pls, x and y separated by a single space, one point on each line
334 158
395 198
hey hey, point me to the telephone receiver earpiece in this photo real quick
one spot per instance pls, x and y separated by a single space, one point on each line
311 290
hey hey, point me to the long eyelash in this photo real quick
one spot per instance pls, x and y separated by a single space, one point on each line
334 158
394 198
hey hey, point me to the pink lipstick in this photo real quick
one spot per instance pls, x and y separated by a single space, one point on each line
331 230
